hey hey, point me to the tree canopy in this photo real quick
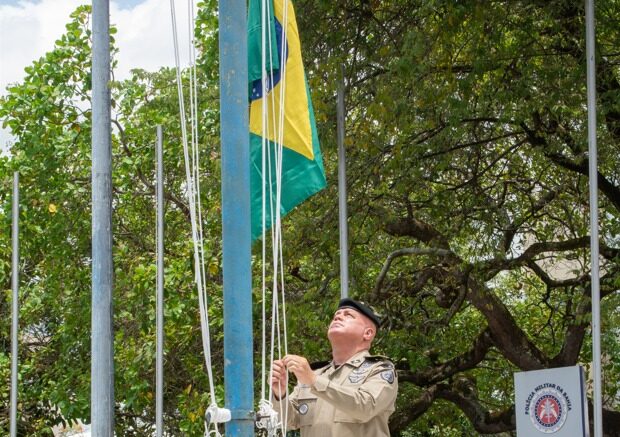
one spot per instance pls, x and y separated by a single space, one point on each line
467 164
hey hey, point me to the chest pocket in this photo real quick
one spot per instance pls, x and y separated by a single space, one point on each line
306 407
341 417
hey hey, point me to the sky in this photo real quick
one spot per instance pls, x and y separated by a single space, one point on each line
28 29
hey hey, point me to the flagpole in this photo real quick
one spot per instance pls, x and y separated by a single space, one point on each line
15 304
594 247
159 360
342 193
236 222
102 345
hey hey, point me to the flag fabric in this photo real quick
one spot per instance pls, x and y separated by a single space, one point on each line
302 164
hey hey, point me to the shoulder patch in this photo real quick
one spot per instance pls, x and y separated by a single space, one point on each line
388 376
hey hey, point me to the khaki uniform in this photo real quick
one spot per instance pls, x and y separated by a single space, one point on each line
355 399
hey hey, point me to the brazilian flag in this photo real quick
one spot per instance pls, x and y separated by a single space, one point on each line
302 164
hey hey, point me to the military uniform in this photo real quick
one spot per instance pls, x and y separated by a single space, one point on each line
354 399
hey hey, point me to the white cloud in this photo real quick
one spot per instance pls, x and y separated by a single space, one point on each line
28 29
144 35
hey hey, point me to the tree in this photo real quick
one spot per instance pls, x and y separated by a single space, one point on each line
468 210
49 116
468 193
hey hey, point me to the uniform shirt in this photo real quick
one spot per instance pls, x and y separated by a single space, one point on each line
354 399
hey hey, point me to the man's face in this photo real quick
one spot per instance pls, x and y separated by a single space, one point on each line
350 324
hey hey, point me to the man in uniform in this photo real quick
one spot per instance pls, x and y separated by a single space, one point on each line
353 395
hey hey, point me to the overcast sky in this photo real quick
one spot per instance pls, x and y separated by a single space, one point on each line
28 29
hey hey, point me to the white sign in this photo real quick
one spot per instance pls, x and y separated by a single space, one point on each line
551 402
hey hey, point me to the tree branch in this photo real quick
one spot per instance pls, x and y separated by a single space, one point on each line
167 194
447 369
573 338
496 265
412 227
483 420
506 333
510 232
402 252
401 420
582 167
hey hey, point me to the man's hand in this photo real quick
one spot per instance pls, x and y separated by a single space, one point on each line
279 380
301 368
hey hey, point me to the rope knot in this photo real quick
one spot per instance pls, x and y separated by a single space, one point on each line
267 418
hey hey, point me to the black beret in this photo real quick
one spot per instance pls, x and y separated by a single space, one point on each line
362 308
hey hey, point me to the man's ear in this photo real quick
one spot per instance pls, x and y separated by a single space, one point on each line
369 333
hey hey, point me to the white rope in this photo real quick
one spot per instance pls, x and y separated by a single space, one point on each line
263 206
268 418
283 56
213 415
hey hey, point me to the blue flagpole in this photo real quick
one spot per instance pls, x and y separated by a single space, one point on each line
236 222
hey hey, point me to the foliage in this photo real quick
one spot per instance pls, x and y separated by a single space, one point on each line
468 193
468 212
49 115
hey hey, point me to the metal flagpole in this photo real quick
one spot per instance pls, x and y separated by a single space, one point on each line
594 249
342 195
159 361
234 132
15 304
102 347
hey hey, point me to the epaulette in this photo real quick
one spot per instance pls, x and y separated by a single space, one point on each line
380 361
376 358
319 364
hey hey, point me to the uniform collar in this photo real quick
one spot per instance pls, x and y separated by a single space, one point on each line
357 359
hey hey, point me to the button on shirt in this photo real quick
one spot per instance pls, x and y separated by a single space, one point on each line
354 399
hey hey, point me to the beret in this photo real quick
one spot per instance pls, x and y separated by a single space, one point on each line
362 308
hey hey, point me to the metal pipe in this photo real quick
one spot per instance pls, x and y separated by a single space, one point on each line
102 346
342 194
15 304
594 249
234 131
159 360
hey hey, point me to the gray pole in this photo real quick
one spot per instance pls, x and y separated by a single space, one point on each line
15 306
102 346
342 195
594 249
159 361
234 120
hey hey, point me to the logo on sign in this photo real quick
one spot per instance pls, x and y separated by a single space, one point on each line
548 409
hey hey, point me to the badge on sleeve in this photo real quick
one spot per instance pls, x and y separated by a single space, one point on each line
388 375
